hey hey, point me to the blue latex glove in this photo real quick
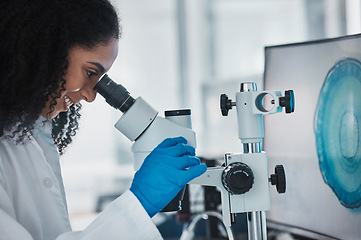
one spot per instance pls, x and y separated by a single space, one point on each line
164 173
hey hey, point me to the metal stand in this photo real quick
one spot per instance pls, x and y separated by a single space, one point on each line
257 225
243 179
256 221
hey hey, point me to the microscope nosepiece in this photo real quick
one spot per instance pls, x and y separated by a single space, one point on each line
115 94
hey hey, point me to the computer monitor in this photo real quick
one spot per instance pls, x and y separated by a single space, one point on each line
319 145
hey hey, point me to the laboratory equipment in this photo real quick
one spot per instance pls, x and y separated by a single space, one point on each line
141 124
243 178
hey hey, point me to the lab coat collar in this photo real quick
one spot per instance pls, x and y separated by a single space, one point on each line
44 125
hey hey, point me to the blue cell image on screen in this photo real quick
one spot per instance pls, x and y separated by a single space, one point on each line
337 130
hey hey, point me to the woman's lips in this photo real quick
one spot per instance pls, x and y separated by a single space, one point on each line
68 102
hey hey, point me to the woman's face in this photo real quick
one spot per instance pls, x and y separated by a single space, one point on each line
84 70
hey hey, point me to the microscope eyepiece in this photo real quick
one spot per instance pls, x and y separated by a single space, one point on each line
115 94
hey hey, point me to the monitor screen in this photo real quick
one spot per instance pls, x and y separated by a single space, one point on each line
319 145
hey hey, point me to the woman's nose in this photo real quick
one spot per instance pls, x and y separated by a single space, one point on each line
89 94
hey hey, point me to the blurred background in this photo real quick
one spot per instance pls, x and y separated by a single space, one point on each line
184 54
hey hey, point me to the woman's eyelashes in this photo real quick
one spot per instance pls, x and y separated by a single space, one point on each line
90 73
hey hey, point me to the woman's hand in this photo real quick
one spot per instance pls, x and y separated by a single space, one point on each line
164 172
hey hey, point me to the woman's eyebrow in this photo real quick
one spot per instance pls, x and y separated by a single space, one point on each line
101 68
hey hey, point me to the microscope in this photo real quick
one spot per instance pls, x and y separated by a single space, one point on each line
243 178
141 124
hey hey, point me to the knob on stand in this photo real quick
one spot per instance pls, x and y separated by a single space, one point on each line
226 104
288 101
237 178
279 179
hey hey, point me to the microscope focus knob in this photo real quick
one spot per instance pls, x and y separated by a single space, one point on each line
237 178
225 104
288 101
279 179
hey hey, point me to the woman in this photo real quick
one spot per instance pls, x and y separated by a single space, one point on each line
52 54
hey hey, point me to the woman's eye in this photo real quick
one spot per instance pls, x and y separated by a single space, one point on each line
90 73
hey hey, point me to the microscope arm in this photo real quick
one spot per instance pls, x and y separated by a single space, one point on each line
212 178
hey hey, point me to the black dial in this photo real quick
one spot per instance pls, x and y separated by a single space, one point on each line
237 178
288 101
279 179
225 104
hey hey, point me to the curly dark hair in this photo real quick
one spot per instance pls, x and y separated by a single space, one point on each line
35 39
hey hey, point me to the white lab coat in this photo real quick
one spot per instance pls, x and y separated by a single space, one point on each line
32 198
